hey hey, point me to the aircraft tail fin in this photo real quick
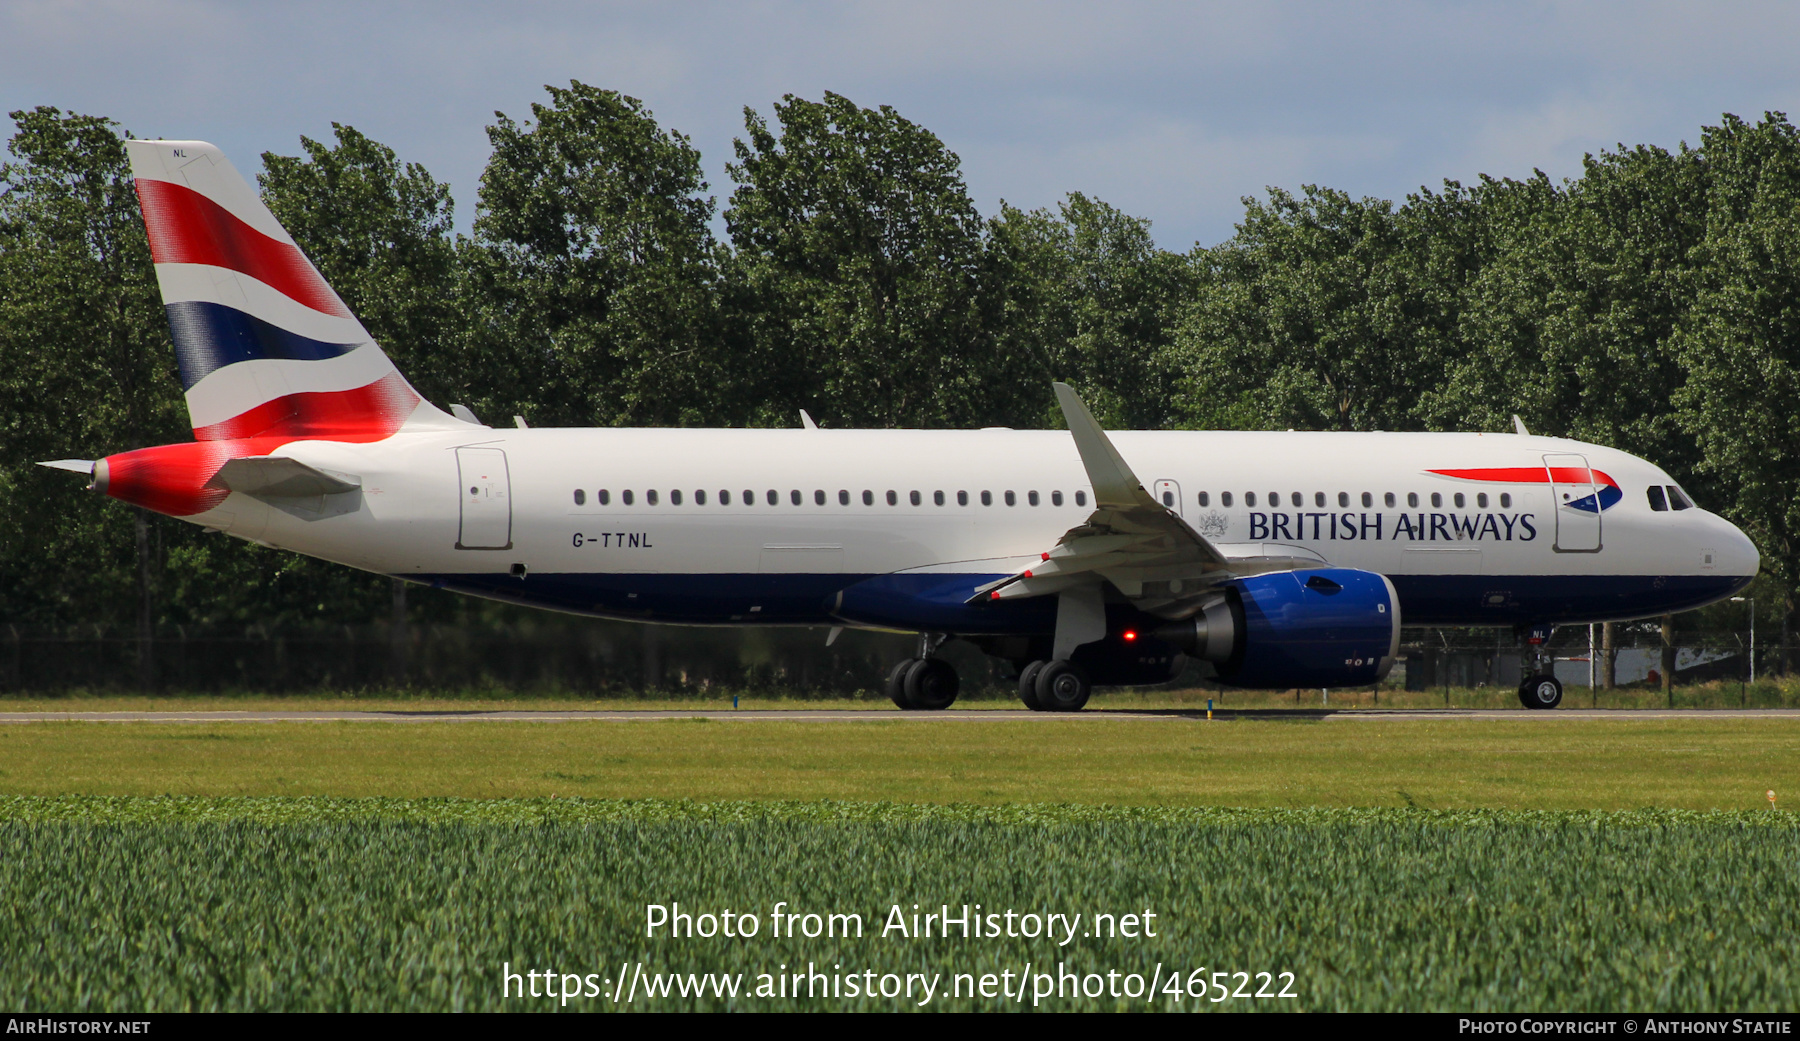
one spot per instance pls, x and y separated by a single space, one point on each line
266 347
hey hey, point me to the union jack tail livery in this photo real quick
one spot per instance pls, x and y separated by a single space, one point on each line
266 348
269 354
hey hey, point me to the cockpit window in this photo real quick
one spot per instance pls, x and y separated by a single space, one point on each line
1657 502
1679 499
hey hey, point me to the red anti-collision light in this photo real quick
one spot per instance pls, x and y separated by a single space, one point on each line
1128 635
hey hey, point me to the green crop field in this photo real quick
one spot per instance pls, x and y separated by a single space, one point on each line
1529 763
159 904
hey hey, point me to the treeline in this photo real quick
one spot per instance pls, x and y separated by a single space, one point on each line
1652 303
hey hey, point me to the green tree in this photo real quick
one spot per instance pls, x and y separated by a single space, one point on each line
1740 341
86 369
1084 295
593 270
380 233
1308 317
1569 321
857 277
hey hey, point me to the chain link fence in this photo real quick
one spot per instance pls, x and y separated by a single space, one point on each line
578 657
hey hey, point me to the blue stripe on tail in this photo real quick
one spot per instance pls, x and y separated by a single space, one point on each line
210 336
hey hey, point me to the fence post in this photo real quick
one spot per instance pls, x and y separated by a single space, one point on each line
1668 657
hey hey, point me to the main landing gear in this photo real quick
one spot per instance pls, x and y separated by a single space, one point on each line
924 683
1054 686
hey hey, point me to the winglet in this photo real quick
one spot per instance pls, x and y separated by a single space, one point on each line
1114 483
1519 426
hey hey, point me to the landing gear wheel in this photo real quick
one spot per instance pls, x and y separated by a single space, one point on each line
1062 687
1028 685
1541 692
931 684
896 683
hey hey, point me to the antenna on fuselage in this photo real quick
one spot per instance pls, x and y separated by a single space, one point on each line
806 420
1519 426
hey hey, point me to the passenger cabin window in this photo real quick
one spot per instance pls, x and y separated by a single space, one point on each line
699 496
1297 499
1081 498
603 497
937 498
1168 498
1274 500
987 498
625 496
1436 499
1678 499
1506 500
650 497
580 497
914 498
868 497
773 497
749 497
1368 499
794 497
893 497
843 496
1343 498
1011 499
724 497
1056 498
1412 498
1481 500
1202 498
1458 499
1657 501
1225 499
1318 498
1249 499
819 497
675 497
962 498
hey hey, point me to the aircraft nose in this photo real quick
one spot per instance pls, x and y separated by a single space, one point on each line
1739 554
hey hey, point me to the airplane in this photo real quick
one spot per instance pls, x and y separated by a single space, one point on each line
1278 560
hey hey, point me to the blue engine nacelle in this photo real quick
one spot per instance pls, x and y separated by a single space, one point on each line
1325 627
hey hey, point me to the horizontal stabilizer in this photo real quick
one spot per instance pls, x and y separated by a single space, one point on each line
80 466
272 477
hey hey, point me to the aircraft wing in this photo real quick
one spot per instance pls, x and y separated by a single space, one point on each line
1145 549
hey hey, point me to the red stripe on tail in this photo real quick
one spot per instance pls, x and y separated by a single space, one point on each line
364 414
188 228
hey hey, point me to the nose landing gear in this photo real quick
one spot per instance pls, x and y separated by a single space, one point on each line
1541 690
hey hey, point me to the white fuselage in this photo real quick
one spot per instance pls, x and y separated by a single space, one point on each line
704 526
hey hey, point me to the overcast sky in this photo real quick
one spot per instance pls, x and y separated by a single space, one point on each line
1171 111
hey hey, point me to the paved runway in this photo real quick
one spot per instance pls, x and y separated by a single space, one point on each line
894 715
